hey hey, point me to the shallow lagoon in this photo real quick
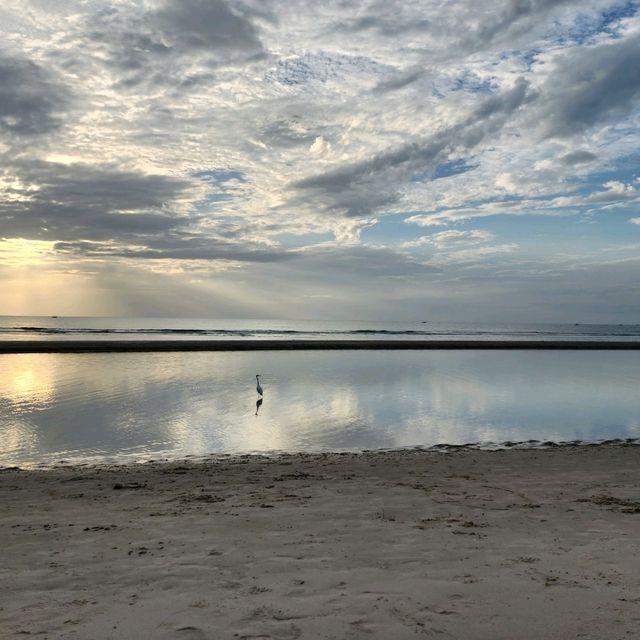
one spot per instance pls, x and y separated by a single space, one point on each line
90 407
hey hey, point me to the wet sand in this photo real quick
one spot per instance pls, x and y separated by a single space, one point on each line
461 544
247 344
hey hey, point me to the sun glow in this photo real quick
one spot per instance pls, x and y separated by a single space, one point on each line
18 252
43 292
37 280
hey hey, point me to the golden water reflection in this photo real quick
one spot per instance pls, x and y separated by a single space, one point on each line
27 379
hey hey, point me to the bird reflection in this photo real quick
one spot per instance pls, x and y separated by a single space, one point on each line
258 405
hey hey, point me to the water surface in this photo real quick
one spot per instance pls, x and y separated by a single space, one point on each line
54 328
150 405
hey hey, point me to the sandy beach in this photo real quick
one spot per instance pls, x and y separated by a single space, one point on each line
458 544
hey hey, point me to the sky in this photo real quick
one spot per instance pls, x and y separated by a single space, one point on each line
461 160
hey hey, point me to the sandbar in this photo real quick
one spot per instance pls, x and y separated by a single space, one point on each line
248 344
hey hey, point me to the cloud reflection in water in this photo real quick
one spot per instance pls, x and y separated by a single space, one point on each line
86 406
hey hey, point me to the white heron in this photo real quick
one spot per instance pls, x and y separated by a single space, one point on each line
258 387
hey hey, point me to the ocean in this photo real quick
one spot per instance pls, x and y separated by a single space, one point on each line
44 328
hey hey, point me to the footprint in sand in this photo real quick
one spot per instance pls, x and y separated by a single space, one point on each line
266 622
190 633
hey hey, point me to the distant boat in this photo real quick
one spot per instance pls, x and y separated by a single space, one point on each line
54 316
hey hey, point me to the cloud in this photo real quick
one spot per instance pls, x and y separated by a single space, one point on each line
358 260
580 156
366 187
287 131
56 201
32 101
614 194
465 27
101 211
472 255
207 25
181 42
320 147
450 238
590 85
177 246
400 80
507 21
458 247
321 67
